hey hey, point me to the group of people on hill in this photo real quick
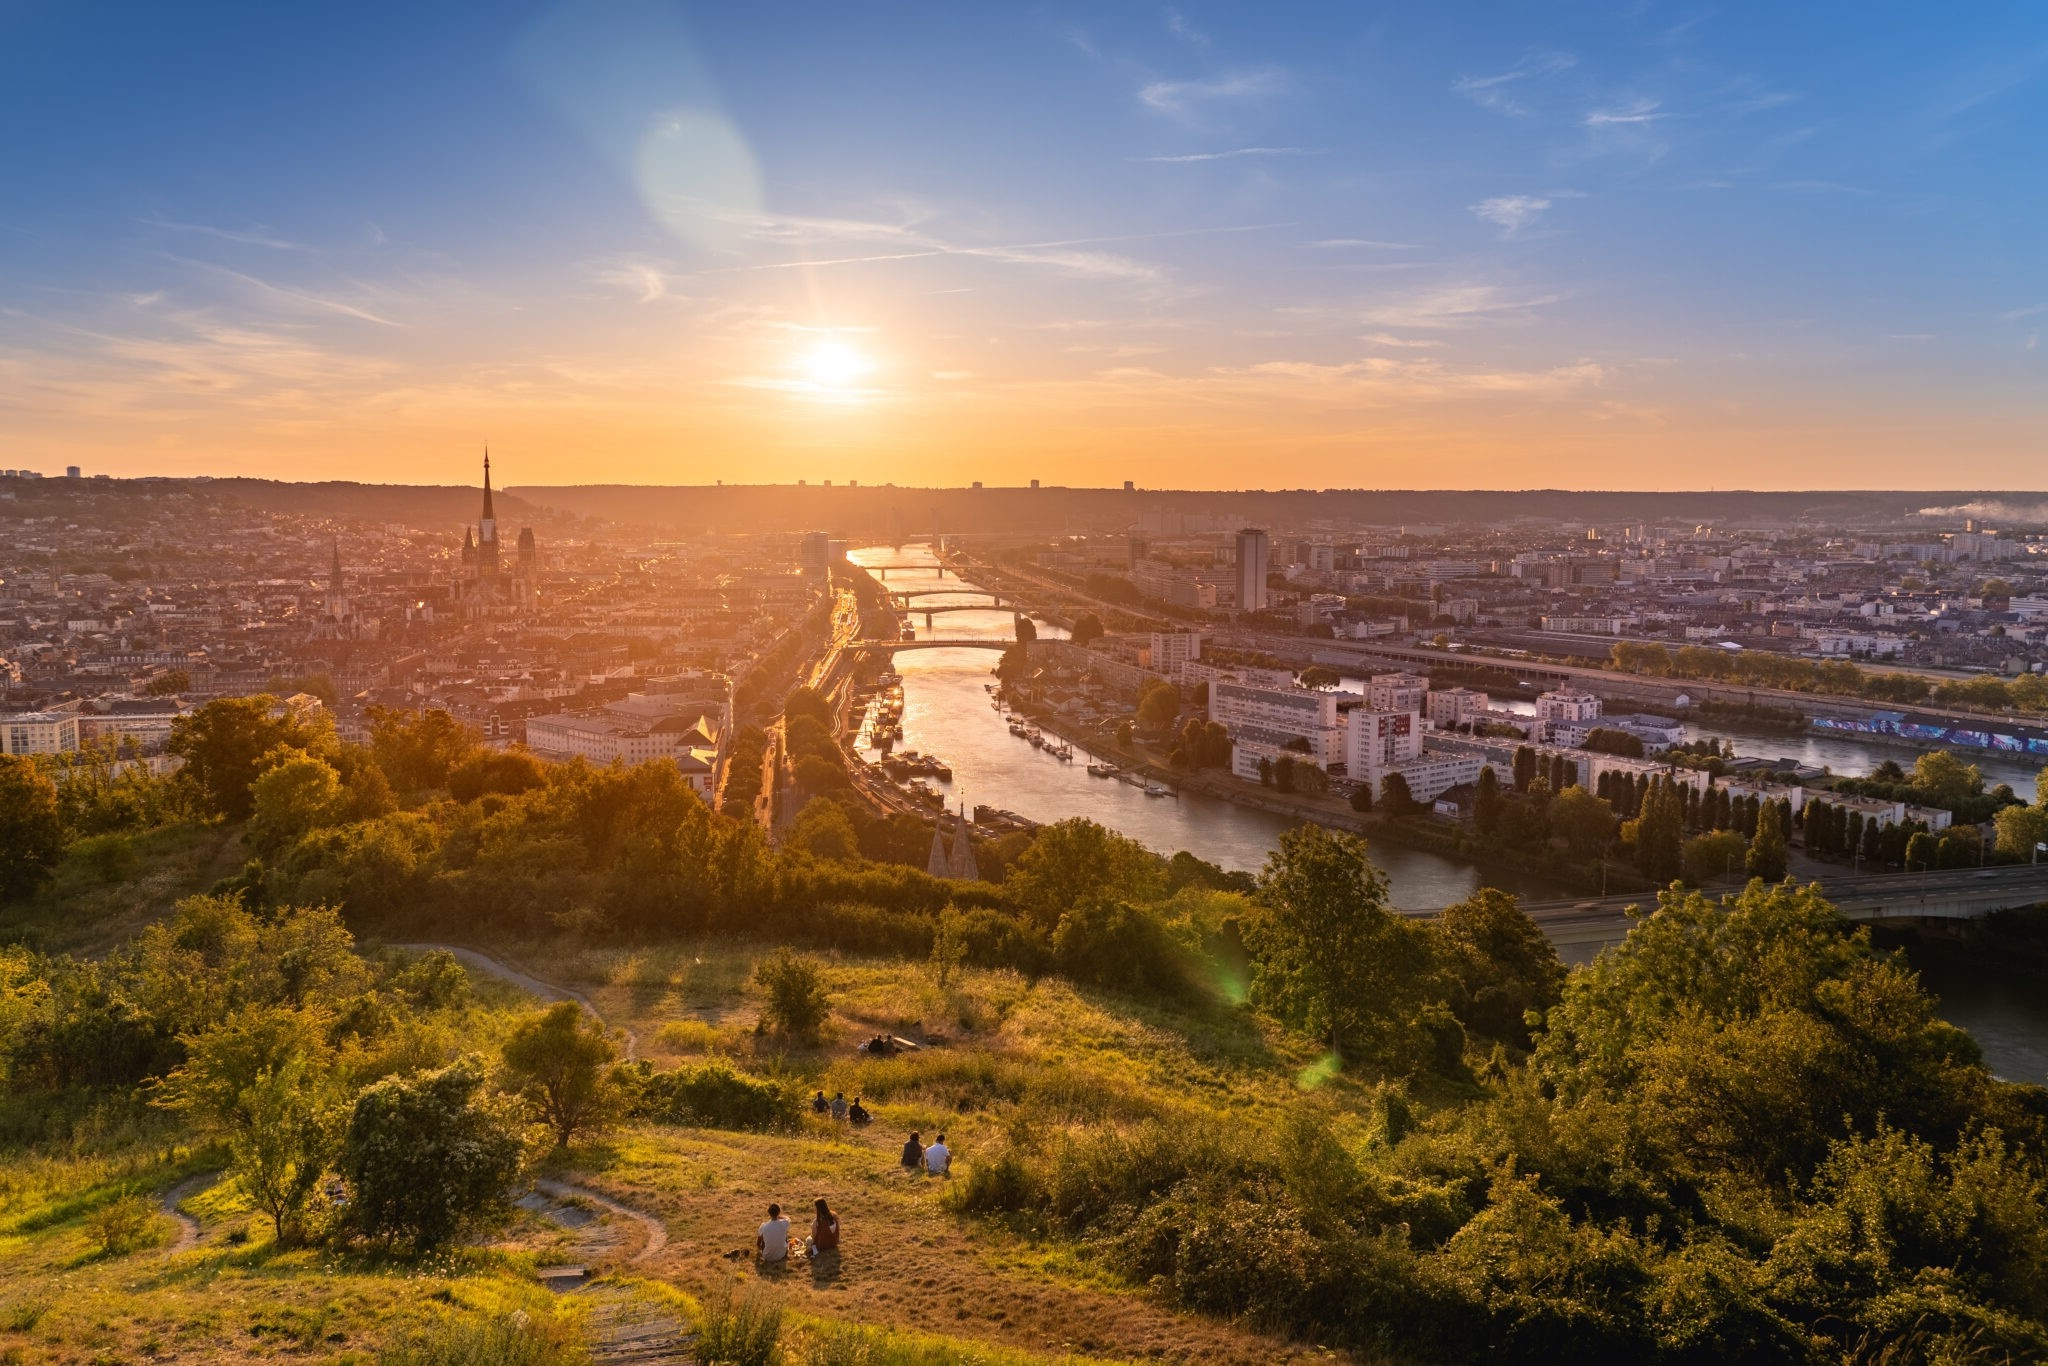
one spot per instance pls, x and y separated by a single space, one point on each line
837 1107
771 1243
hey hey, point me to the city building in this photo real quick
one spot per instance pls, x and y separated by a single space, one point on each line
1567 714
38 732
1447 707
1170 652
1266 721
1254 553
1396 692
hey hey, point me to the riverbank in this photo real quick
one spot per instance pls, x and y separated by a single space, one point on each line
1418 833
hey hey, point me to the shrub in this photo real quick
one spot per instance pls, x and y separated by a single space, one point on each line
428 1156
123 1226
518 1339
739 1330
797 1000
713 1095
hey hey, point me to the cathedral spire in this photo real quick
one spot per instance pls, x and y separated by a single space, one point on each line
489 515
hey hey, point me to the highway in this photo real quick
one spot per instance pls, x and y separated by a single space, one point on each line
1954 894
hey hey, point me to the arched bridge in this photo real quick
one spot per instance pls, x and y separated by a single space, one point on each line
902 596
1954 894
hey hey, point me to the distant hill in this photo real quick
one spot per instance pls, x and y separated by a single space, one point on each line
886 511
889 512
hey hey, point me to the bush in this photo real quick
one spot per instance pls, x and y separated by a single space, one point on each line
560 1062
518 1339
797 1002
123 1226
739 1330
429 1156
713 1095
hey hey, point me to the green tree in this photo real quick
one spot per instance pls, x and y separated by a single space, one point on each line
1714 854
286 1146
1584 821
1486 805
169 683
224 743
949 946
294 793
507 772
31 828
1158 704
1923 851
1395 798
1027 629
431 1155
1660 834
1766 858
1330 957
1525 767
797 1002
2020 828
1077 860
1321 677
226 1062
1503 965
1609 740
824 830
560 1061
418 750
1087 627
1945 778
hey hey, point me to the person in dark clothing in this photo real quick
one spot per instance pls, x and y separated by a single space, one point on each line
857 1113
913 1152
820 1105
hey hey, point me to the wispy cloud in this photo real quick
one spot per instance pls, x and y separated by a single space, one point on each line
316 302
1504 92
1181 99
1177 24
1456 306
1511 213
1332 242
1636 111
1233 153
248 237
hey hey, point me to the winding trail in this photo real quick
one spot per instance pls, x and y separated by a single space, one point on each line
656 1233
189 1231
525 981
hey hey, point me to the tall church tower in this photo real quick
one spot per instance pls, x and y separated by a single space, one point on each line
487 531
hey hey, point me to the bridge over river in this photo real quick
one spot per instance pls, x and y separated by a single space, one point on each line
1955 894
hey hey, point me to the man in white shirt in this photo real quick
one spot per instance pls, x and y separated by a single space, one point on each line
772 1242
938 1158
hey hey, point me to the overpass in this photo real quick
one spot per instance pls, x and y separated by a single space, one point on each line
1954 894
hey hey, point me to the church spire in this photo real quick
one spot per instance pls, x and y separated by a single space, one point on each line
489 515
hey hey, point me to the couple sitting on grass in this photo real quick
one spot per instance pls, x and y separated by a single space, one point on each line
937 1159
771 1244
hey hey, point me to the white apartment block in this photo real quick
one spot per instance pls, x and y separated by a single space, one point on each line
38 732
1396 692
1434 772
1263 720
1378 740
1170 652
1448 707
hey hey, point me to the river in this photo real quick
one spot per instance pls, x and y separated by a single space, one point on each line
947 712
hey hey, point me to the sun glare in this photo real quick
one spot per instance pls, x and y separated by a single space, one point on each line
835 366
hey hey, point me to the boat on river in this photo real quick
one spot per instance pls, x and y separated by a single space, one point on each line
1101 770
1157 790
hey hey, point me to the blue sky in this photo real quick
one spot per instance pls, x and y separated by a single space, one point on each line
1621 245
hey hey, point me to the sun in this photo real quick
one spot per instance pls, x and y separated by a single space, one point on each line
835 366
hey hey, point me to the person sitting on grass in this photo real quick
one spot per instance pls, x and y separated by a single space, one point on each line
938 1159
839 1105
858 1113
771 1244
913 1151
821 1106
824 1230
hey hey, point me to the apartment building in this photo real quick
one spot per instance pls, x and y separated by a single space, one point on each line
1264 721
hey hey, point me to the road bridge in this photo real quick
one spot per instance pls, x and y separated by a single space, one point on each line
902 596
881 647
1953 894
